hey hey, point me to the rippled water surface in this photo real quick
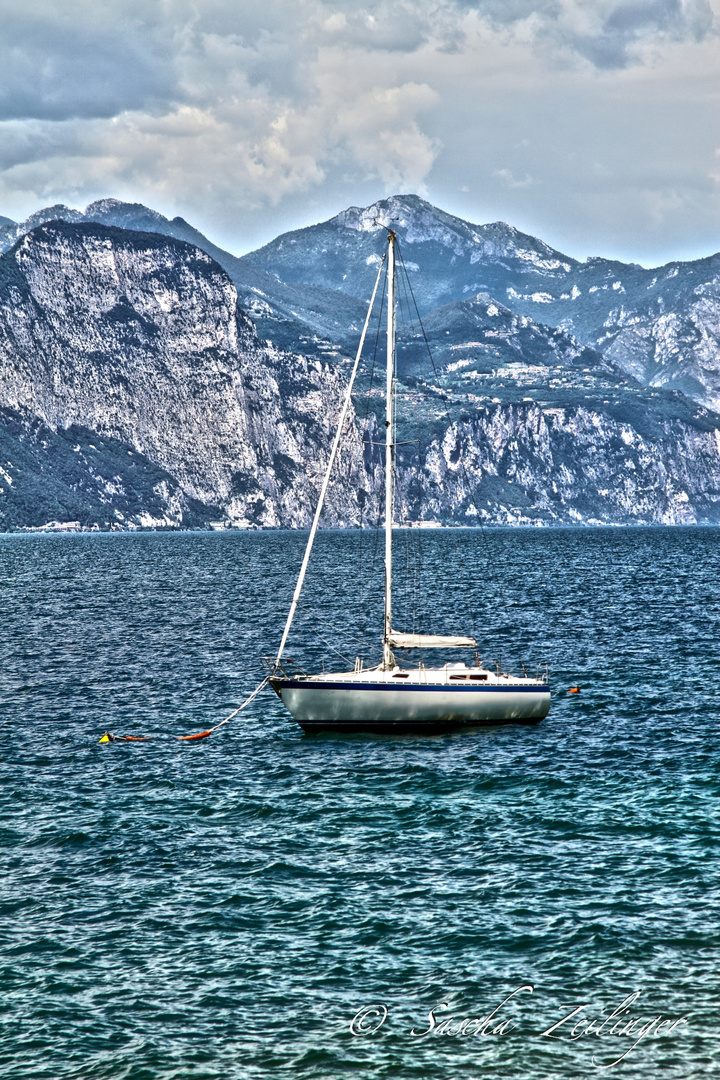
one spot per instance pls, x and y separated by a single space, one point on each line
223 909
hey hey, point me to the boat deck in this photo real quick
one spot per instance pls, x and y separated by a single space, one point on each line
456 675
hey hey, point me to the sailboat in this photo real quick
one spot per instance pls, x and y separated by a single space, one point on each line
390 698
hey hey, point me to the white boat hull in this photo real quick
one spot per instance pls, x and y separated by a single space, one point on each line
377 706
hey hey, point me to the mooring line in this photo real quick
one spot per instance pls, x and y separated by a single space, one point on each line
108 736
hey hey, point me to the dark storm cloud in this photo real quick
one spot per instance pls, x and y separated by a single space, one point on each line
67 62
631 24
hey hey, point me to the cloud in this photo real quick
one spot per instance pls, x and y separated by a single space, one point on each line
244 116
614 35
256 106
61 61
607 33
379 129
510 181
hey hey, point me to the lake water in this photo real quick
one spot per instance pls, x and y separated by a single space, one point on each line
224 909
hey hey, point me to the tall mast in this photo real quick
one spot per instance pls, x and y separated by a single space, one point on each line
328 471
388 659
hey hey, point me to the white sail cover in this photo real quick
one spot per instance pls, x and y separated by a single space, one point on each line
429 641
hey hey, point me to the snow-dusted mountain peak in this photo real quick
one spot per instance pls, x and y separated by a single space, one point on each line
417 220
389 212
116 212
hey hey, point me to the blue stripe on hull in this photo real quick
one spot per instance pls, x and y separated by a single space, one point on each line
473 688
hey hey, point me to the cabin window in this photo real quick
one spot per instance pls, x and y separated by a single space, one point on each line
402 675
473 678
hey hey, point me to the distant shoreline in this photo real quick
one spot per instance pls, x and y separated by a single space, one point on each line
237 531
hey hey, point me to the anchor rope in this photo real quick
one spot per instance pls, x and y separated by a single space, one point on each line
109 737
246 702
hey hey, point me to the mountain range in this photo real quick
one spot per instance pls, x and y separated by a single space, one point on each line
150 379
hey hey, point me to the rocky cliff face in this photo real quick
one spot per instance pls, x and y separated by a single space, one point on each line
133 391
139 338
293 318
75 478
525 464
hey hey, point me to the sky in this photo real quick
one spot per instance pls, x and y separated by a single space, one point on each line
593 124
